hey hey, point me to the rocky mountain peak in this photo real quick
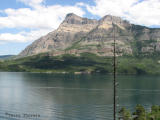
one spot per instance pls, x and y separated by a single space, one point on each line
72 15
109 19
77 35
72 18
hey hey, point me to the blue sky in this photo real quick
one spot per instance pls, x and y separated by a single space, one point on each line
23 21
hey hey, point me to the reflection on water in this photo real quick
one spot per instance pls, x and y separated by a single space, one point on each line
72 97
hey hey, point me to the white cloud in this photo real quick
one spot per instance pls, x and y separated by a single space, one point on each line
39 17
32 3
12 37
146 12
42 17
23 36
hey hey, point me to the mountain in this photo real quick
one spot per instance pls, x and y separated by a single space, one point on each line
77 35
81 45
4 57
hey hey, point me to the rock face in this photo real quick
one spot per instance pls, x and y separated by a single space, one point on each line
76 35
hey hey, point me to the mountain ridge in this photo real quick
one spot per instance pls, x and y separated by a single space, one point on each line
77 35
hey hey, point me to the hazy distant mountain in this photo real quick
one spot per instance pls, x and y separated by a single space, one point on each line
76 35
4 57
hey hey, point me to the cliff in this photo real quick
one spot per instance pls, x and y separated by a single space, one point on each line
77 35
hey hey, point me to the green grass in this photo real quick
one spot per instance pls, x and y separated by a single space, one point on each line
75 45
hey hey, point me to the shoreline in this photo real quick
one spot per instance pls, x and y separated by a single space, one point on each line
75 73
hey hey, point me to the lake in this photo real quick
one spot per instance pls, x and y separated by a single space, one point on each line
40 96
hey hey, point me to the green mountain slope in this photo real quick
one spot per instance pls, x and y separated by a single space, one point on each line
85 63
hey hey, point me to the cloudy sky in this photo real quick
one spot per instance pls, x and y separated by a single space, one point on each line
23 21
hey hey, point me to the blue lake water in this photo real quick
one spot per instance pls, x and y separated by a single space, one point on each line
40 96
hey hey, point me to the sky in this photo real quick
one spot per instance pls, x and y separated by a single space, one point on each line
23 21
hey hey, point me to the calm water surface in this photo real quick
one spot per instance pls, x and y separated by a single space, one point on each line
71 97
